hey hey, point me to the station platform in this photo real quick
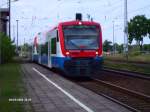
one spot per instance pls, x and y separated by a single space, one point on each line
53 93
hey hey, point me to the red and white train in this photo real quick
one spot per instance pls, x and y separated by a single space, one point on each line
75 47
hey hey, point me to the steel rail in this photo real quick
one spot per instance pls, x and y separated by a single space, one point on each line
127 73
125 90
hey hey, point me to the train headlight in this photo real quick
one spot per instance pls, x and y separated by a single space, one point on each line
80 23
96 53
67 53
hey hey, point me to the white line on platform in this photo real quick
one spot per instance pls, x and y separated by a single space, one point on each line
65 92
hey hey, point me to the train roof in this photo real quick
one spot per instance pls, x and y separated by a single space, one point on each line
76 22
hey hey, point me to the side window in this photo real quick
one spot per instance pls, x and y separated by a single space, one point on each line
44 48
53 45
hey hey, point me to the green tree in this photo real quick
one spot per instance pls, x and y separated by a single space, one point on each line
130 39
107 45
148 27
119 48
137 29
7 48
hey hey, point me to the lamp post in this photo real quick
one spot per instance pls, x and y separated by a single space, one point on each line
17 37
9 8
113 39
125 29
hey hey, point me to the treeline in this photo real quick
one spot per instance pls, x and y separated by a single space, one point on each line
109 47
138 29
7 49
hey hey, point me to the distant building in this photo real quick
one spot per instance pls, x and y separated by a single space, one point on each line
4 15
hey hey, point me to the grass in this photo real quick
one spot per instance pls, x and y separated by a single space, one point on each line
127 66
145 58
119 62
10 87
141 58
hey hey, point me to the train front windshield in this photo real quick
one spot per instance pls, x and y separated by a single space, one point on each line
81 37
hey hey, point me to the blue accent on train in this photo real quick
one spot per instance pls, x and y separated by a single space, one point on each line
77 66
35 58
58 62
44 59
73 66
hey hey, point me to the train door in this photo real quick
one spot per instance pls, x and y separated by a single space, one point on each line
39 47
43 52
52 49
53 52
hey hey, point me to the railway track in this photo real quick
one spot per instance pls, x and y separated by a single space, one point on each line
125 90
127 73
132 62
128 80
132 100
131 90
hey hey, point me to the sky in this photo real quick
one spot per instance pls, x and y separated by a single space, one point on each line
41 15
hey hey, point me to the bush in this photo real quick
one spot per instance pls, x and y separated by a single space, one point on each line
7 48
136 53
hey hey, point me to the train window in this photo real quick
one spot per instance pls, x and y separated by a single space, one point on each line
53 45
44 48
81 37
